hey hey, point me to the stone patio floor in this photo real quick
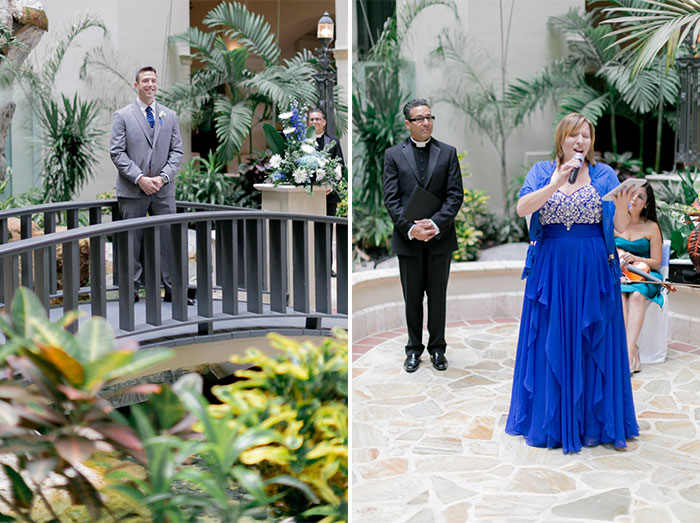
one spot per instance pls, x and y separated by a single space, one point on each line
431 447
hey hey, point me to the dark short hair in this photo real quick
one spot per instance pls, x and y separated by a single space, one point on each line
318 110
144 69
417 102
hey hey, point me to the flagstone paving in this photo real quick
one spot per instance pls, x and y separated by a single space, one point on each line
431 447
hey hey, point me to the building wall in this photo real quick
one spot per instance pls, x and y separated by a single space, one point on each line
531 47
137 35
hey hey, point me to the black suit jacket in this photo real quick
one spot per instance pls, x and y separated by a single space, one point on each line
443 179
335 151
332 199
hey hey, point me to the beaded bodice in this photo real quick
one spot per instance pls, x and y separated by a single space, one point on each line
581 206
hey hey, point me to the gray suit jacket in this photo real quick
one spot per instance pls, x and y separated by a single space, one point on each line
135 148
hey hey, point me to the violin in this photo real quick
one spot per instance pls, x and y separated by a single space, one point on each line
639 272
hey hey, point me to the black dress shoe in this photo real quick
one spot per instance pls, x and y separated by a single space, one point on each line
438 360
411 363
169 298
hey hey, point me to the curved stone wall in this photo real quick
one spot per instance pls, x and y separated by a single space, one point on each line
480 290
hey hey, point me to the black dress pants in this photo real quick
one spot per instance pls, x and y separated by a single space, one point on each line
421 275
138 208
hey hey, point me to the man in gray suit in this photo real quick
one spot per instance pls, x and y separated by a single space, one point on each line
146 148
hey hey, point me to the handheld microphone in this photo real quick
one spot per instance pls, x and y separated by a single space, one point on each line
574 171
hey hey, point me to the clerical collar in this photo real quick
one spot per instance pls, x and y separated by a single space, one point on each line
319 136
418 144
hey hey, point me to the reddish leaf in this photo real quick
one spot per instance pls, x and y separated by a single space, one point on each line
74 449
75 394
144 388
123 436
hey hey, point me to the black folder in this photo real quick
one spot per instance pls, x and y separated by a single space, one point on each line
421 204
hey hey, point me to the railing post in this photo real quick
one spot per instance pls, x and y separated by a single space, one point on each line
3 241
50 228
73 218
205 304
71 279
116 216
26 259
125 258
151 271
300 265
254 269
217 253
278 265
98 283
341 267
10 278
178 234
41 277
227 243
322 258
241 252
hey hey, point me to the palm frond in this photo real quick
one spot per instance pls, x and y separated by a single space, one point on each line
50 66
410 11
197 39
586 101
250 29
643 92
660 25
110 62
557 78
232 126
283 84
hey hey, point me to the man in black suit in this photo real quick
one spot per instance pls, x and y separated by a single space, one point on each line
424 247
317 118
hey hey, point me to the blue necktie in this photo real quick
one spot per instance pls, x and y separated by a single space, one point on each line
149 116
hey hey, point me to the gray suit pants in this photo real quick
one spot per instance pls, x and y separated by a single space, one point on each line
138 208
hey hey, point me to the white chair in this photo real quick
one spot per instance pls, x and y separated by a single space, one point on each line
653 338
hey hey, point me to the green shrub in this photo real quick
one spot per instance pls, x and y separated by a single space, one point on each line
301 397
202 180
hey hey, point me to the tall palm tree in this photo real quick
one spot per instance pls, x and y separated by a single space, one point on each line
229 84
648 26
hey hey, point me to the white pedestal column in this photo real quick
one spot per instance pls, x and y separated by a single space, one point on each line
292 199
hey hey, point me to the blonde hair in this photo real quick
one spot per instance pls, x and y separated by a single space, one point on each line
565 128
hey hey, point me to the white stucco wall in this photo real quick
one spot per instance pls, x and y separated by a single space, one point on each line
138 32
531 47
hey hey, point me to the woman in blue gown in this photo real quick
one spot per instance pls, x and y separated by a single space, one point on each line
571 383
640 242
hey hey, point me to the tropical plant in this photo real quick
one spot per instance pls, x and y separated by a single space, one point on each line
624 165
675 201
55 425
228 84
70 129
648 26
467 222
202 180
71 140
591 81
378 121
300 400
471 90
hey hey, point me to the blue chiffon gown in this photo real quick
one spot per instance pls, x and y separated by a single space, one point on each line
571 383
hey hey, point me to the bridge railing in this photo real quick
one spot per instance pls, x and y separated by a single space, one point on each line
250 245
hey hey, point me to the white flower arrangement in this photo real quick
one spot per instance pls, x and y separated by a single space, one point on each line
301 164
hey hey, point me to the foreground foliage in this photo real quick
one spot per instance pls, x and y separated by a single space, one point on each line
51 417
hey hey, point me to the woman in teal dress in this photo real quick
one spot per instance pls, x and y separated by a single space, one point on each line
641 241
